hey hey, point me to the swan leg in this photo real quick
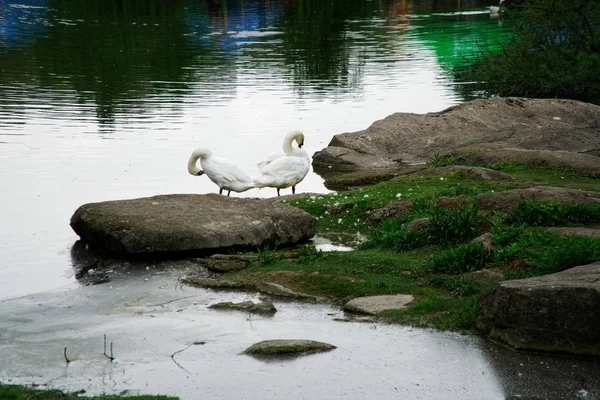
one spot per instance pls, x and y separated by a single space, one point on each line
278 192
293 189
220 190
229 191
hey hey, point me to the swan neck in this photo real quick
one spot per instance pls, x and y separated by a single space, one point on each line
287 144
197 154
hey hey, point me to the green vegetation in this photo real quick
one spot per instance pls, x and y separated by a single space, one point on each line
544 252
433 260
554 52
464 258
533 212
14 392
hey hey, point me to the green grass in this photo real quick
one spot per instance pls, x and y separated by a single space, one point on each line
545 252
16 392
539 213
432 264
465 258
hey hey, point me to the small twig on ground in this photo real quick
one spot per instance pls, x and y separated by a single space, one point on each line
65 354
111 357
196 343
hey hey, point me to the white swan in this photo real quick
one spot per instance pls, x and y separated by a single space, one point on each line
284 170
223 172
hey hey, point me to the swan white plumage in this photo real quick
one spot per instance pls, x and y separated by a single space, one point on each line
284 170
221 171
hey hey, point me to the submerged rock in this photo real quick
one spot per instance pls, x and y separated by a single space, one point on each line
275 289
227 262
247 306
269 288
287 347
377 304
557 313
211 283
187 222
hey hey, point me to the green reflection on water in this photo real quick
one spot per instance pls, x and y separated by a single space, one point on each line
114 54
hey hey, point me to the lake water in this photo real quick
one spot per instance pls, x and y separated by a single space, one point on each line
103 100
106 99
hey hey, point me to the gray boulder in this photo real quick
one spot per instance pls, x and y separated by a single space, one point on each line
188 222
403 139
558 312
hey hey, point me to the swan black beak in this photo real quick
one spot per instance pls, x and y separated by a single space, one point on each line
200 173
300 145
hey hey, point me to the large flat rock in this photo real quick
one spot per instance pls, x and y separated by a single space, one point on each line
586 164
558 312
188 222
403 139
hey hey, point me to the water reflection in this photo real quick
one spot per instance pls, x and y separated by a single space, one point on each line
121 60
105 100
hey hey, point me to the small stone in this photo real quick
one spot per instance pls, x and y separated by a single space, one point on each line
287 347
376 304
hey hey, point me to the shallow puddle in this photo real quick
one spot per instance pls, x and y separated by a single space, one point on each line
165 340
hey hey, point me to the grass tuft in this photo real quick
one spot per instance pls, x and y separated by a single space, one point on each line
464 258
539 213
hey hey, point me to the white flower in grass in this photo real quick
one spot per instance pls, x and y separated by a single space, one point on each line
399 195
366 195
339 220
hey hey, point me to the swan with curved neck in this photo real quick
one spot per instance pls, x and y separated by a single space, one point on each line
284 170
221 171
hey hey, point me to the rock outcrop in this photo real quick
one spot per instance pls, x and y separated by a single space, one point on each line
403 139
187 222
504 201
475 173
558 312
585 164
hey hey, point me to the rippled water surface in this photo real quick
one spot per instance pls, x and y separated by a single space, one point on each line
105 100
